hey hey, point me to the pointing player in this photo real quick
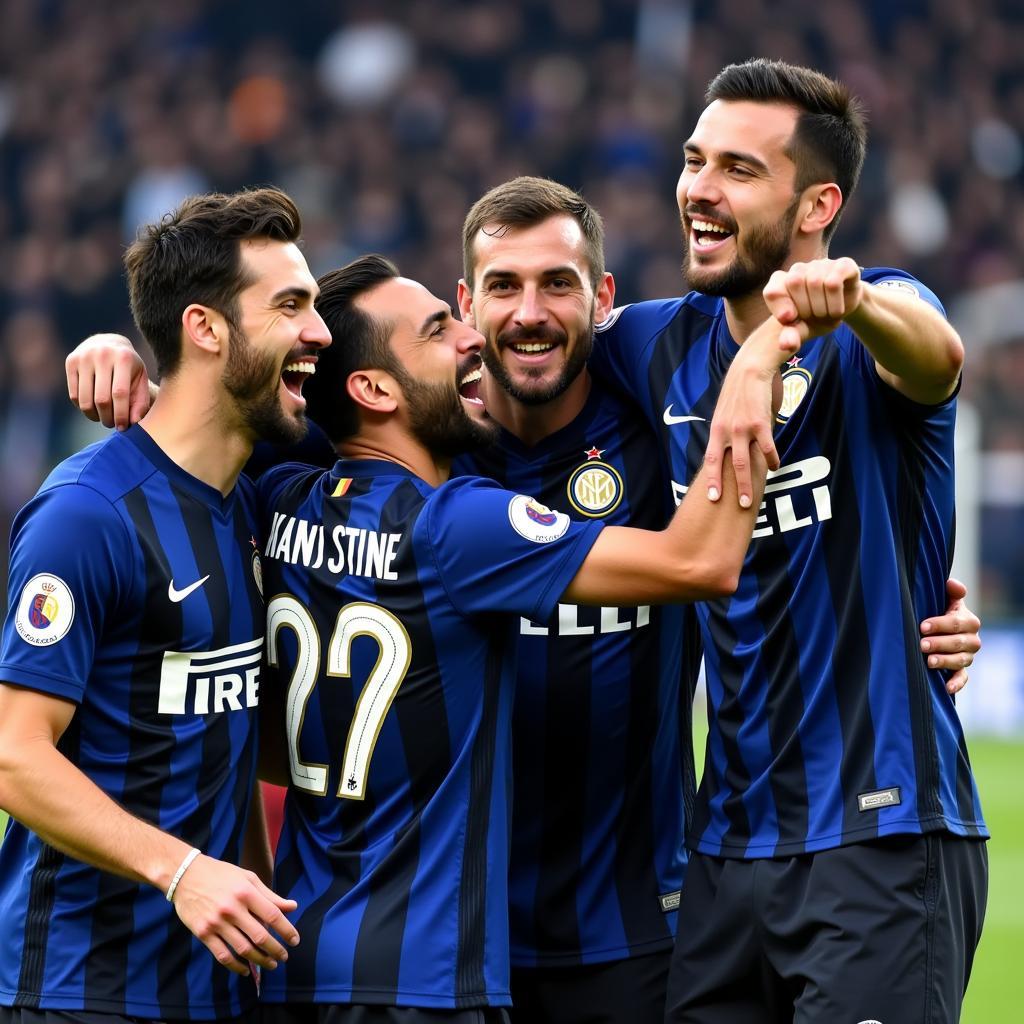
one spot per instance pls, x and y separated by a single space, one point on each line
838 871
131 651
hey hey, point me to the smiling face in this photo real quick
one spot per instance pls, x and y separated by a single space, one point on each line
273 347
533 300
436 364
736 197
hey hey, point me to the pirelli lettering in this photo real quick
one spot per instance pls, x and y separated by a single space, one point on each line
210 682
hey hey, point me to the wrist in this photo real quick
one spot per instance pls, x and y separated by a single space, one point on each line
176 878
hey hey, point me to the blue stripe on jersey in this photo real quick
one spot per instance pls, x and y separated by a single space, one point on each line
827 727
403 892
599 769
119 523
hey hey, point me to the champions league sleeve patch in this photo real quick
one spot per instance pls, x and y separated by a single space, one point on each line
536 522
45 611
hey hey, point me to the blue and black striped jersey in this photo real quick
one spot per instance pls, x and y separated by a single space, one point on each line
600 774
826 727
392 619
134 593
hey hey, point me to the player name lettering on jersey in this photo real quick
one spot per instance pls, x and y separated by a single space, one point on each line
348 549
787 511
586 620
210 682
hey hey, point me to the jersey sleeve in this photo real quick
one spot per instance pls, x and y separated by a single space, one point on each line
71 567
497 551
904 407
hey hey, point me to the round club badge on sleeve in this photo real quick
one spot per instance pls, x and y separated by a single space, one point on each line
534 521
45 611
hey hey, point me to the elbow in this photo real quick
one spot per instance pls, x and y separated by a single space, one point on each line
711 579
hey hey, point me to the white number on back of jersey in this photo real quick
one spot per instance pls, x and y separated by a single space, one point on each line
354 620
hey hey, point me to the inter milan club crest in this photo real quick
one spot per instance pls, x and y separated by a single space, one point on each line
796 382
594 488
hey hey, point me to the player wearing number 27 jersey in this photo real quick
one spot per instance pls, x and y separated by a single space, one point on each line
384 601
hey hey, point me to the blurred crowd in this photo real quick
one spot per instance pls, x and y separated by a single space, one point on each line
386 120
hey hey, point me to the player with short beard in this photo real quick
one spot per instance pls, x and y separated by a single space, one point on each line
838 869
131 652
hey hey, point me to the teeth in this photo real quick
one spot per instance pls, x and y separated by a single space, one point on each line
299 368
707 226
539 346
470 377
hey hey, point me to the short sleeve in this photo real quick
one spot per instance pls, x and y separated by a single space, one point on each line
71 564
497 551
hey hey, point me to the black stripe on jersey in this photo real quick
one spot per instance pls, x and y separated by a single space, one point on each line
107 962
909 501
42 895
851 655
423 725
470 982
643 920
564 755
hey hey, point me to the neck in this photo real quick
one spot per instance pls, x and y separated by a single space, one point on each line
744 315
193 434
405 452
533 423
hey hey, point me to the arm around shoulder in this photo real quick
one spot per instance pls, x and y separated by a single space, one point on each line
698 556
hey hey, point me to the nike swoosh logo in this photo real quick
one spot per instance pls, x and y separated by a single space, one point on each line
180 595
671 420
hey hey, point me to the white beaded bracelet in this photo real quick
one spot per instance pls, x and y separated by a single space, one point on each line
189 857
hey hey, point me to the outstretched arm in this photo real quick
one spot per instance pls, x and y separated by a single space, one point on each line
916 350
229 909
107 380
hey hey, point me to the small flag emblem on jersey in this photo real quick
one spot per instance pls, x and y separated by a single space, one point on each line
343 485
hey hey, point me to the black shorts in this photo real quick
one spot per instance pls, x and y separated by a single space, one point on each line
363 1013
20 1015
630 991
878 931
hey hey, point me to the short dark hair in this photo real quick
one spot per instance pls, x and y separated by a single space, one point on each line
830 137
193 255
361 342
524 202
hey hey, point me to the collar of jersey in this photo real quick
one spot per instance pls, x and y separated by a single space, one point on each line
154 453
370 467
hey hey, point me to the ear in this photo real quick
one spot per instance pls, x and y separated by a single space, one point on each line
204 328
373 390
466 303
604 298
820 206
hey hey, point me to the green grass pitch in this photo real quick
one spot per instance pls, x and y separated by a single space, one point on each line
994 994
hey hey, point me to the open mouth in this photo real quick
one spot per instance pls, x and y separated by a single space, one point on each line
294 375
469 386
707 235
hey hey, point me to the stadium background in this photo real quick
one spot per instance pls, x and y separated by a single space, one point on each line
385 121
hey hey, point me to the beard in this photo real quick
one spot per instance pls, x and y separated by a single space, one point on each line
535 391
766 249
439 421
252 379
